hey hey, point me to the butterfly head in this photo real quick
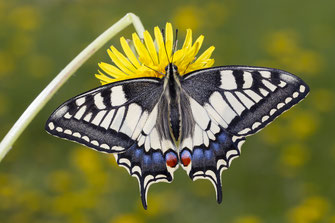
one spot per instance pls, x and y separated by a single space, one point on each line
171 69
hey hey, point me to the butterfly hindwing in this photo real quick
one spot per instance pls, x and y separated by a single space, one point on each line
226 105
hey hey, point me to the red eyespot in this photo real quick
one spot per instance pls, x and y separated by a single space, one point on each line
186 157
171 159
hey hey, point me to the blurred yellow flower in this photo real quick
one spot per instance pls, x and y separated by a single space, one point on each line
25 17
284 46
312 209
187 17
304 124
151 61
294 155
321 98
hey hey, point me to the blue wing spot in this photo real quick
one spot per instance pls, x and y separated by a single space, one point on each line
197 155
222 137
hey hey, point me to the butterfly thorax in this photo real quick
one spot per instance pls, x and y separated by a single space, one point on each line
172 89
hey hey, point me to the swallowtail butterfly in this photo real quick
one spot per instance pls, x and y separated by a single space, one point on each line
198 121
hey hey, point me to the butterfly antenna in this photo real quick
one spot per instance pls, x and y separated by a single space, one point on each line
153 69
163 34
187 67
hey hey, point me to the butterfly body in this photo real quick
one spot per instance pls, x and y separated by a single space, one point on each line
198 120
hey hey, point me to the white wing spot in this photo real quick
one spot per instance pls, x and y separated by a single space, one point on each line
272 111
244 131
118 96
86 138
221 107
154 139
255 125
99 101
68 131
282 84
59 129
80 113
95 142
67 115
264 92
51 126
215 115
132 117
288 99
228 81
231 153
247 80
104 146
197 136
237 106
265 74
97 119
199 114
295 94
77 134
88 117
108 119
253 95
302 88
151 122
269 85
141 140
206 140
118 119
280 105
265 117
245 100
139 125
119 148
80 101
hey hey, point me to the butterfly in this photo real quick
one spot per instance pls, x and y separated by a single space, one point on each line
198 121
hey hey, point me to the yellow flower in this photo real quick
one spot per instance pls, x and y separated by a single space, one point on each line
151 58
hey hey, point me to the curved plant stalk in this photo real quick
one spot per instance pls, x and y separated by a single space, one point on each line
63 76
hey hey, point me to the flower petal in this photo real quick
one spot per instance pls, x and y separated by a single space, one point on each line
123 60
118 63
188 39
168 39
129 53
161 46
151 47
143 53
111 70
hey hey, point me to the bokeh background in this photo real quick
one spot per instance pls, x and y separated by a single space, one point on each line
286 172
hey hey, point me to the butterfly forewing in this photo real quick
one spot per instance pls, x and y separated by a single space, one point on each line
245 98
227 104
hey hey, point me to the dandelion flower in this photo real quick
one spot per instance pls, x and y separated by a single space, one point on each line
150 58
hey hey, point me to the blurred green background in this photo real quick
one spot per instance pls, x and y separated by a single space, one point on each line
286 172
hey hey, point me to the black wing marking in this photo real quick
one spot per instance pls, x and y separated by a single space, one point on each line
226 104
122 118
245 98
